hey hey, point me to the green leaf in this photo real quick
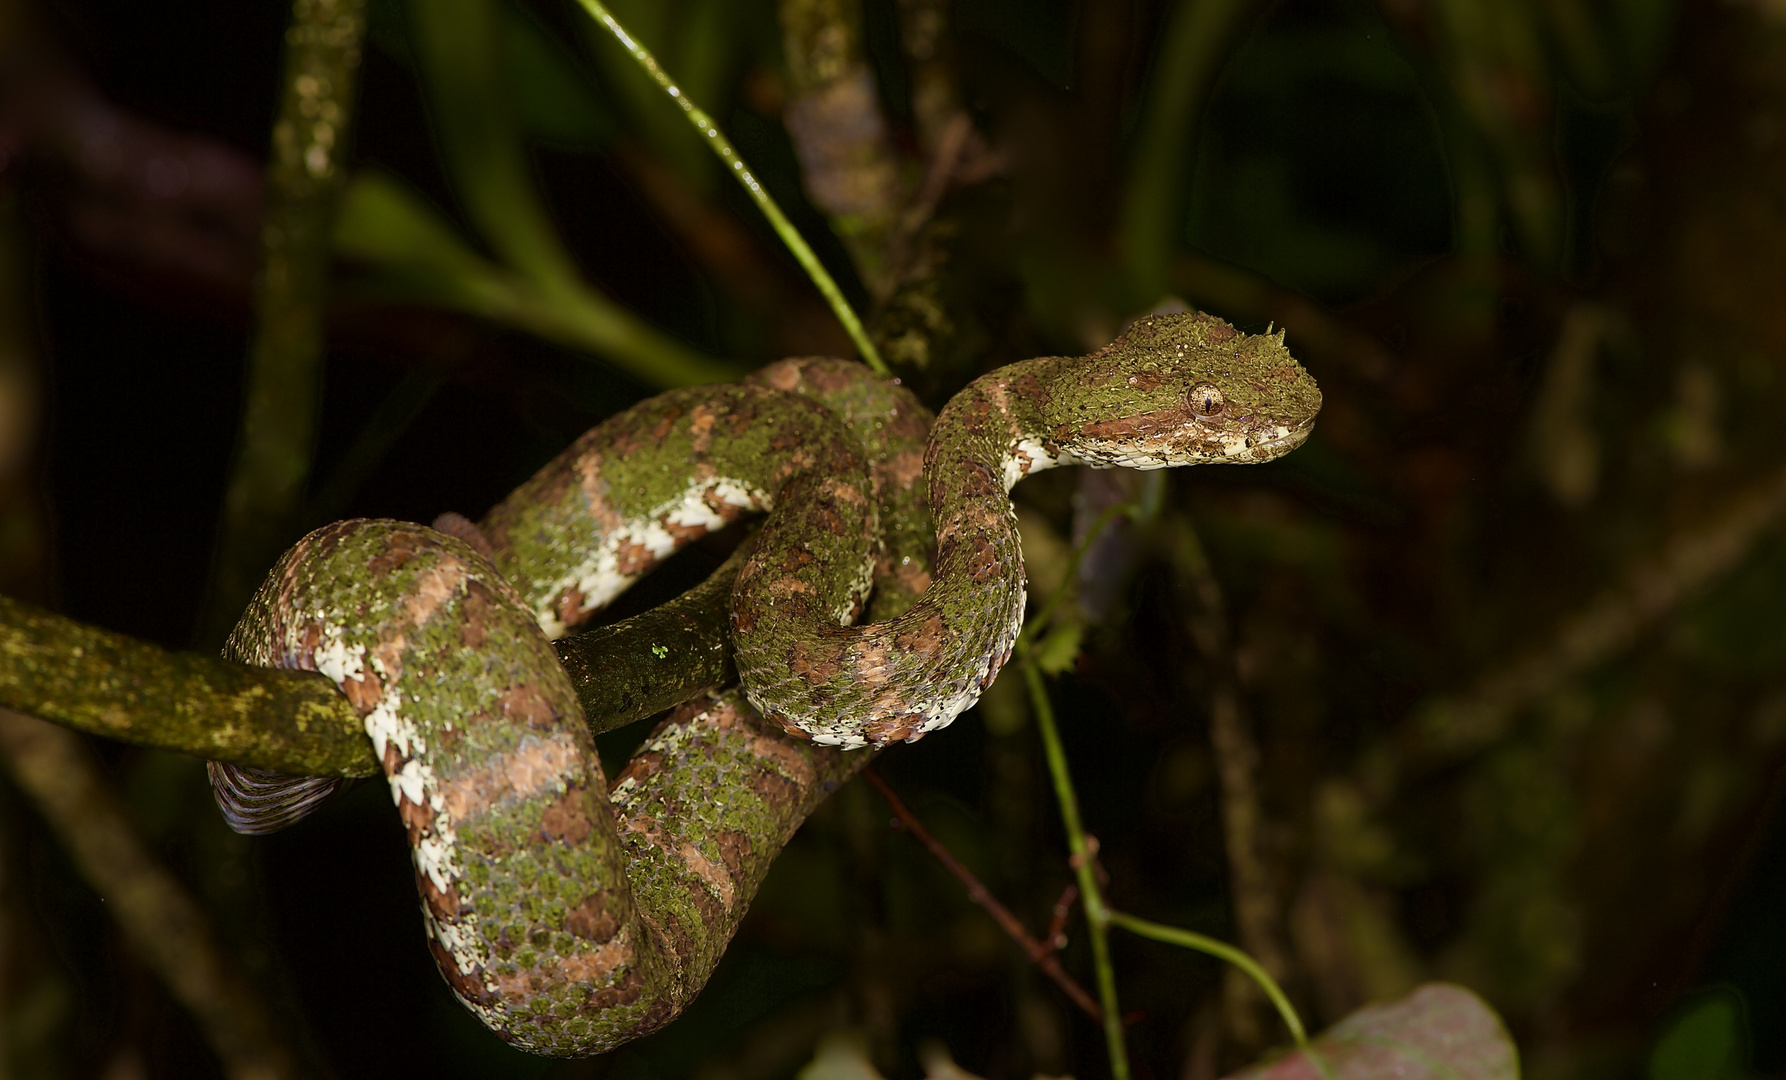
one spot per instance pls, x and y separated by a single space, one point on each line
418 257
1059 651
455 43
383 222
1703 1043
1439 1032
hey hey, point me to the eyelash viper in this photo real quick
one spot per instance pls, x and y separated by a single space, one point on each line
569 918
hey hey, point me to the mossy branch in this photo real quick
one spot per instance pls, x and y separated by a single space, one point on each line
110 684
658 659
297 722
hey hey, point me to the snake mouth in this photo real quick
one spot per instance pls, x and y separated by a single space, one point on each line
1288 441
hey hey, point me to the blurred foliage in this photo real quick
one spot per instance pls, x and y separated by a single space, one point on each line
1704 1042
1532 250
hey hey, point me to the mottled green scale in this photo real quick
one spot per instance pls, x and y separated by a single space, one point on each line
1173 390
629 493
571 923
716 776
497 781
890 425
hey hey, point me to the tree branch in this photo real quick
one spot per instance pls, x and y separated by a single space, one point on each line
110 684
1454 727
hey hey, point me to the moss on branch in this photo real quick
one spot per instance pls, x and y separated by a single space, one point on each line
109 684
658 659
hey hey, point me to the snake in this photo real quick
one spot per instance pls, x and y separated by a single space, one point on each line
570 916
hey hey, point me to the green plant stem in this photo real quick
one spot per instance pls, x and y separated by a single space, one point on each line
264 496
1084 859
720 145
1097 916
1221 950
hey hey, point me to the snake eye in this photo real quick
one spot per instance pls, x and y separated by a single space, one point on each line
1204 399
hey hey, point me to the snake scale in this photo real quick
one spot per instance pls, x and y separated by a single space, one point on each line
570 917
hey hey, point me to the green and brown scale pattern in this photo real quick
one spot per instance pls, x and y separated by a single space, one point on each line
567 923
571 922
629 493
1173 390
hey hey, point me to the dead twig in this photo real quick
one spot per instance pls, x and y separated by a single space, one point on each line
1042 954
1063 910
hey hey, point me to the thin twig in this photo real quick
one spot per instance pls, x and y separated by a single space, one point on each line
162 923
1063 910
1040 952
951 143
720 145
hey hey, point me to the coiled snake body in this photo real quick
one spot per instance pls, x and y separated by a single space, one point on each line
569 918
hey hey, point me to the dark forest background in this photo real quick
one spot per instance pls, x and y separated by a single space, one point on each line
1506 637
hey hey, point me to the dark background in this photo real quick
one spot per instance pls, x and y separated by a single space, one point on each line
1613 852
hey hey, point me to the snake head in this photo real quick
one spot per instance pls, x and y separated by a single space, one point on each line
1183 390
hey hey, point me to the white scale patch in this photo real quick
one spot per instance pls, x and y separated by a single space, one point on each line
436 855
598 577
1029 456
1231 447
858 593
